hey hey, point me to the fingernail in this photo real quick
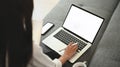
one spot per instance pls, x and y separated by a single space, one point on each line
75 43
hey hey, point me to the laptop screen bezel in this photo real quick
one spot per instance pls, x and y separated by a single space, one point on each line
78 35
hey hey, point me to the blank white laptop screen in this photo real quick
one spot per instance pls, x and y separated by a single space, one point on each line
82 23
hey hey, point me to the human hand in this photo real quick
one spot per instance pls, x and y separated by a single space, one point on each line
69 52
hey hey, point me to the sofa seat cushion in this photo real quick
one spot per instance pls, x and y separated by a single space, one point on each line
108 51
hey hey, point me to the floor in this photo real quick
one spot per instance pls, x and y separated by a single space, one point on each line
42 8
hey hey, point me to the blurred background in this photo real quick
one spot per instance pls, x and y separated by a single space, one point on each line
42 8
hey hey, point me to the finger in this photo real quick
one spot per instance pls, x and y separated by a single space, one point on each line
70 43
75 44
75 47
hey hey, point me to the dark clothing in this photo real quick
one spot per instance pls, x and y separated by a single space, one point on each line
16 32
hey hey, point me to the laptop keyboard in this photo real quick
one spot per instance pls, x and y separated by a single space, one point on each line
67 38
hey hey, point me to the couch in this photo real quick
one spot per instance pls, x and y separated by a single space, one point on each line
105 51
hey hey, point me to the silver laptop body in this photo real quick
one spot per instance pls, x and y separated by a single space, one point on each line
80 26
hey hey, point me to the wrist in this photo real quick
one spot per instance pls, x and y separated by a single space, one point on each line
64 58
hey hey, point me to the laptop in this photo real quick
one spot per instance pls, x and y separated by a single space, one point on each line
79 26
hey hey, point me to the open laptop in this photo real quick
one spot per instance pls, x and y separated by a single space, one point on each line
80 26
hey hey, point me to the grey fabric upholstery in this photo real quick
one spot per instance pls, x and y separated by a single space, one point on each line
108 51
104 8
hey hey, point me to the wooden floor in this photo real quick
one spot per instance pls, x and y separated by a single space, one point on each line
42 7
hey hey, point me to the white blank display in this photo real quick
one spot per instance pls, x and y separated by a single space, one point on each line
83 23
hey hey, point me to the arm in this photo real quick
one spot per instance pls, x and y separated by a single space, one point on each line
39 58
38 55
